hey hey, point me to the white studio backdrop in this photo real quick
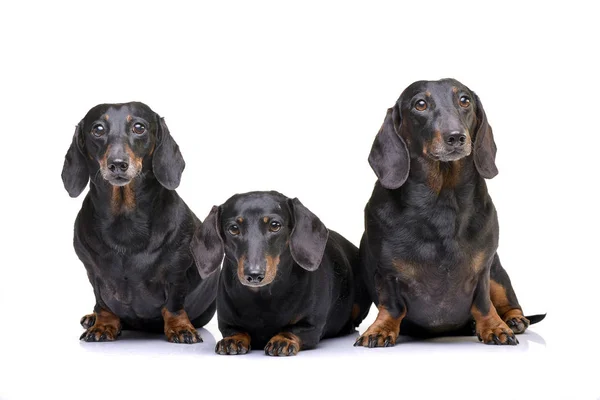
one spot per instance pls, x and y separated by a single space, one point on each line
289 97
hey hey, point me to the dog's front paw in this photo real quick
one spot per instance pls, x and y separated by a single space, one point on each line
87 321
283 344
101 333
235 344
377 336
183 334
384 331
496 334
178 328
516 321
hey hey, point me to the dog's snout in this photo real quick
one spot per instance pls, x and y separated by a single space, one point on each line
118 165
254 274
455 139
254 277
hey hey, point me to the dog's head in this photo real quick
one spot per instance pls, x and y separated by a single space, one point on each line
259 232
121 142
442 121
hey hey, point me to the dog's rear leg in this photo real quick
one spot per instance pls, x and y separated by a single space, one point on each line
504 298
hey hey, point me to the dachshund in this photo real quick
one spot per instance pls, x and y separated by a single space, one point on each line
133 231
431 230
286 282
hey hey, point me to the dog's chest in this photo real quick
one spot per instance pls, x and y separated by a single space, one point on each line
129 289
439 293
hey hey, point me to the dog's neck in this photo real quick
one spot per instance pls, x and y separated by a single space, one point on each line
442 177
129 201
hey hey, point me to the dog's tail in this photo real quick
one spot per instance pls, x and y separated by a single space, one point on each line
534 319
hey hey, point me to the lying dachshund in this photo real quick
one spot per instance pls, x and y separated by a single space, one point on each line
431 230
133 231
286 281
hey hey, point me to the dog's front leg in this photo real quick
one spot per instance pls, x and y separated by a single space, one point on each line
392 310
178 327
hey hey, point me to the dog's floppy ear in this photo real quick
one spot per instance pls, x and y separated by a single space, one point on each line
207 244
309 236
167 162
75 173
389 156
485 147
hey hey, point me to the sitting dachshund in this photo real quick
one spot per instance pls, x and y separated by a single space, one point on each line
133 231
286 283
431 230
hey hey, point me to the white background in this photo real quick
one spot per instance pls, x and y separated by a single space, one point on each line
270 95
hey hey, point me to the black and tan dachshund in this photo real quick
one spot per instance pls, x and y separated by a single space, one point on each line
133 231
431 230
286 283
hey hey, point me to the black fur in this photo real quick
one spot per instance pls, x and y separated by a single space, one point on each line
283 273
430 221
133 231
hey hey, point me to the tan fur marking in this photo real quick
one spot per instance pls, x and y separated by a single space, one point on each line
104 160
355 312
135 160
265 219
106 117
428 93
272 264
175 323
405 269
487 325
240 337
454 89
106 324
447 179
240 269
437 139
123 199
501 303
384 326
288 339
239 220
513 313
477 263
129 118
105 317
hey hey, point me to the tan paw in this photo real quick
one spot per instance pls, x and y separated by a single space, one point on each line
235 344
87 321
283 344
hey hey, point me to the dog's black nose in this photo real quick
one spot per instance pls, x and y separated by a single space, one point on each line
117 165
456 139
254 278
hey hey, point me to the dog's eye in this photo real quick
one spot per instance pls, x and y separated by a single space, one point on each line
274 226
138 128
421 105
234 230
98 130
464 101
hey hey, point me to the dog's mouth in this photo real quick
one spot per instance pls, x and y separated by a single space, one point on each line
450 154
447 157
118 179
